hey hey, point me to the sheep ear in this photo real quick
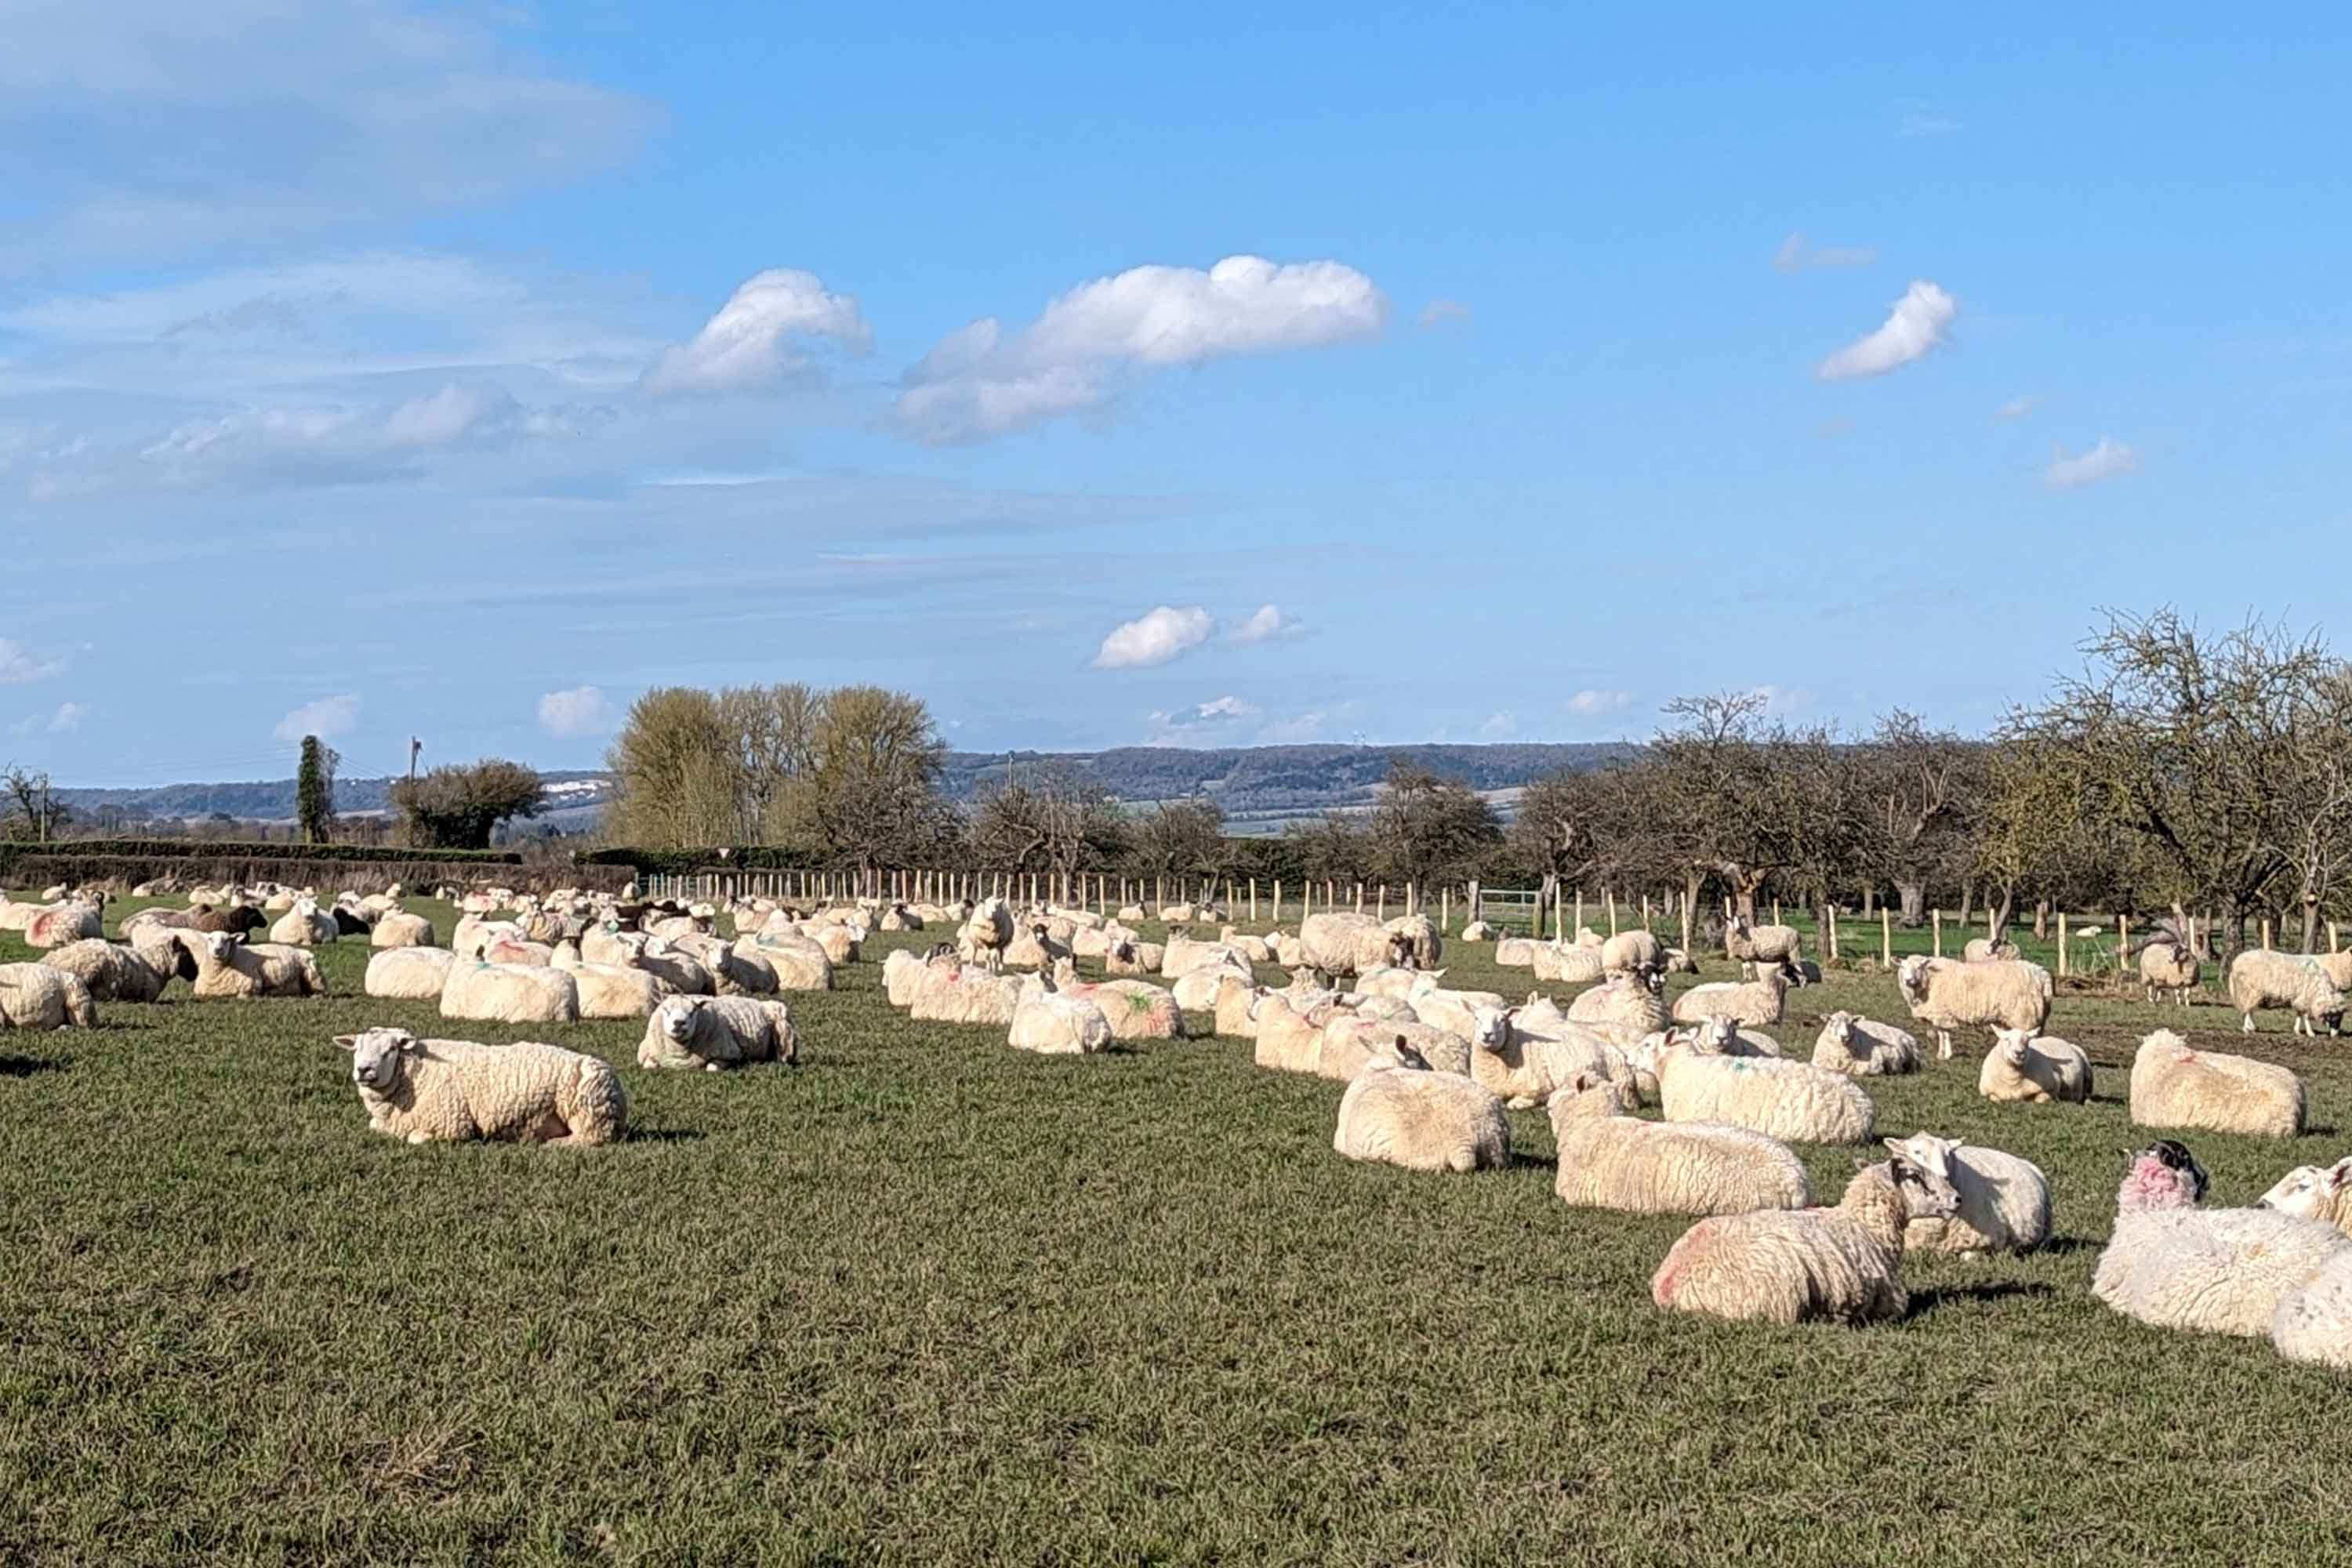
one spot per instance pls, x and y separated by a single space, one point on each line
1894 1145
349 1042
1859 1163
411 1045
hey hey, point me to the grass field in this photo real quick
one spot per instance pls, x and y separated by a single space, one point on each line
928 1299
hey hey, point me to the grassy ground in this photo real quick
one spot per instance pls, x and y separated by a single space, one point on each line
928 1299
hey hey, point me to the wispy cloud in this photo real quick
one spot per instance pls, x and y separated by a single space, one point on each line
756 337
1795 255
1919 322
326 718
1155 638
2103 461
1442 313
68 716
1591 702
19 666
1501 726
1923 124
1204 723
2016 408
1264 624
577 710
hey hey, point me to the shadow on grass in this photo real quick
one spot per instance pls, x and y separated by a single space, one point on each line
26 1067
1533 1162
2067 1246
667 1135
1927 1303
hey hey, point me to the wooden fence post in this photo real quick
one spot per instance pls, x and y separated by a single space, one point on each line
1446 909
1886 939
1277 900
2267 933
1382 908
2123 941
1936 923
1610 894
2062 944
1776 910
1569 934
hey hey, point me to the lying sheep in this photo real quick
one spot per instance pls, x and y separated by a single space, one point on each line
1289 1037
2260 979
1128 957
1424 947
732 973
2222 1271
401 929
1252 949
1515 951
1402 1114
2168 965
2313 1321
304 926
1983 949
1756 1002
798 964
1567 965
35 996
454 1090
1349 1040
959 993
409 973
1610 1159
1629 950
2315 1192
111 972
76 920
1455 1012
1791 1266
1524 1061
1048 1022
1181 954
509 994
1196 990
227 969
2172 1085
473 933
519 950
902 969
1135 1009
1946 994
1851 1043
1721 1036
1760 949
2004 1201
606 990
1795 1103
681 972
716 1032
1626 1009
1339 942
1477 930
2036 1069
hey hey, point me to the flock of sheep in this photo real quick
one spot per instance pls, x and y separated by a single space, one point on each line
1429 1070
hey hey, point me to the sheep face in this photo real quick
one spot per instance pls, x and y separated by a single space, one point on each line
1400 951
2309 1191
1928 1152
220 944
375 1056
1842 1027
676 1018
1494 1028
1928 1194
1653 977
1716 1035
2013 1045
1912 976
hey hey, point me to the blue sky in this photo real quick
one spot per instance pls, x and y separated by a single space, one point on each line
1212 376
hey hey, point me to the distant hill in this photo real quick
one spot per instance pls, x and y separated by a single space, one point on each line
1259 787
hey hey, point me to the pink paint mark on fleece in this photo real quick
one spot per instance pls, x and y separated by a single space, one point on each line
2153 1184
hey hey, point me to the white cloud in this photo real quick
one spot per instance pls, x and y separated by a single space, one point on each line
2103 461
1442 313
1267 623
1795 255
580 710
326 718
1155 638
2016 408
1591 702
68 716
1225 708
1203 723
1781 698
1918 323
19 667
751 342
1297 731
1088 344
1499 726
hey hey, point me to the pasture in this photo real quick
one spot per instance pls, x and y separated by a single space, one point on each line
926 1299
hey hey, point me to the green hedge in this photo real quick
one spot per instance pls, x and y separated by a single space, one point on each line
208 849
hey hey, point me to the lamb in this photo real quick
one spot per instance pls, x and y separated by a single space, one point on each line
2223 1271
2169 964
1983 949
1852 1044
2315 1192
510 994
304 926
1759 947
1612 1160
1525 1061
959 993
605 990
714 1031
1400 1114
987 934
2260 979
1629 950
453 1091
226 969
401 929
1136 1009
1791 1266
1624 1009
1048 1022
1947 994
1756 1002
409 973
2004 1200
1339 942
35 996
111 972
2037 1070
2172 1085
1795 1103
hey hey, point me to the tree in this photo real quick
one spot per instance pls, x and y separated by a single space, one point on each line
1922 785
1331 847
458 807
314 791
1178 838
28 813
1047 818
676 766
871 791
775 730
1423 827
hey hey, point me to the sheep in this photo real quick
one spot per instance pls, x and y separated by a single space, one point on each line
1612 1160
1035 946
409 973
1791 1266
1756 1002
2260 979
1525 1060
2004 1200
2172 1085
1629 950
1725 1038
1624 1009
681 972
454 1090
606 990
226 969
1753 946
399 928
473 935
1046 1021
1236 1006
2169 964
35 996
1947 994
1477 930
516 950
2313 1321
898 916
162 948
2037 1070
510 994
2315 1192
1129 956
716 1032
1349 1039
799 964
840 943
1455 1012
732 973
1290 1032
1252 948
1567 965
959 993
1196 991
1421 939
1517 951
111 972
304 926
1851 1043
1796 1102
1397 1113
2222 1271
1981 948
59 924
1136 1009
902 968
986 935
1181 954
1338 942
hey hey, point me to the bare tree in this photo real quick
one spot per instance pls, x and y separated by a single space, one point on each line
1922 783
1047 818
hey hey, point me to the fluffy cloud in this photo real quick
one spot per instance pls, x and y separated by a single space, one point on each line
1442 313
1591 702
580 710
1919 322
1155 638
18 666
1087 345
326 718
2103 461
753 341
1796 256
1266 624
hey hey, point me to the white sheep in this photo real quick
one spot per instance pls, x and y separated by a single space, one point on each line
227 969
2315 1192
453 1091
1760 949
2222 1271
959 993
2260 979
1853 1043
1046 1021
1567 965
799 964
1985 949
903 967
1948 994
409 973
1339 942
1424 947
2036 1069
76 920
1795 1103
2004 1201
1524 1060
111 972
304 926
35 996
716 1032
1477 930
2172 1085
1756 1002
1128 957
509 994
2313 1321
1349 1040
398 929
1629 950
1136 1009
986 934
1612 1160
2169 965
681 972
1181 954
1791 1266
1400 1114
1455 1012
605 990
1624 1009
1196 989
1289 1036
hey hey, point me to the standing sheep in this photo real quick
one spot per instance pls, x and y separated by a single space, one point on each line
1851 1043
986 935
2168 964
1795 1103
1792 1266
1610 1159
1760 949
1400 1114
2260 979
1946 994
2172 1085
2004 1201
714 1031
2036 1069
35 996
454 1091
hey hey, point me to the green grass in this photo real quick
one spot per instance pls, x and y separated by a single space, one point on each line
928 1299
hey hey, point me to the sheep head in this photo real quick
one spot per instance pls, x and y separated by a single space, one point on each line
375 1056
2311 1191
1717 1034
1911 975
1492 1028
1927 1192
1842 1026
675 1017
2013 1045
2164 1176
